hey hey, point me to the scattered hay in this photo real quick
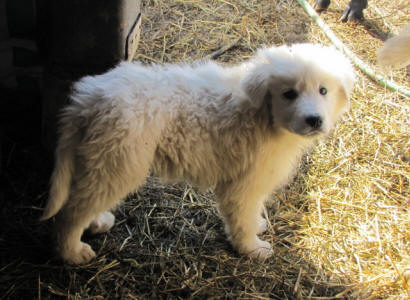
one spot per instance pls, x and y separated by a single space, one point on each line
340 230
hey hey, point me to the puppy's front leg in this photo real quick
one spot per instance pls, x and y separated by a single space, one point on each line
241 206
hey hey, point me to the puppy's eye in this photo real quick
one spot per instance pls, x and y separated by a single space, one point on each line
323 91
290 94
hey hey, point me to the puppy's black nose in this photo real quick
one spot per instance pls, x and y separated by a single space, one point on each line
314 121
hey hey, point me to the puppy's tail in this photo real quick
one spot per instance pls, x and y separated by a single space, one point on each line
396 51
63 170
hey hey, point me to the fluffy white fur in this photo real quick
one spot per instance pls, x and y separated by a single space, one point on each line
239 129
396 51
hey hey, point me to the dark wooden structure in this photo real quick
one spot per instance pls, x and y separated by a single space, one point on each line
45 45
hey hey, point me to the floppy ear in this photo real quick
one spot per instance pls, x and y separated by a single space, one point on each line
255 86
342 101
346 86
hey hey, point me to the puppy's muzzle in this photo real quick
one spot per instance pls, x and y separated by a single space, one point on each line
313 125
315 122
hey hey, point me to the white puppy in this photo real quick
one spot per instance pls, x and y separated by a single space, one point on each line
240 130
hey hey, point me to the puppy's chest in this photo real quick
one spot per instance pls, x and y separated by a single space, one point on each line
276 159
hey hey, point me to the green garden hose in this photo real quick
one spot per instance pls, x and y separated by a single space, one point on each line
357 61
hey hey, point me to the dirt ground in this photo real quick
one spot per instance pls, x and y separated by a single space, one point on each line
340 230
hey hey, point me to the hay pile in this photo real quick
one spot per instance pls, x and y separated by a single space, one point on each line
341 230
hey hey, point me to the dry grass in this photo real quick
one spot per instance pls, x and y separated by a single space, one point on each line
340 230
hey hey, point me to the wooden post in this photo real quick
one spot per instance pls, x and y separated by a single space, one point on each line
84 37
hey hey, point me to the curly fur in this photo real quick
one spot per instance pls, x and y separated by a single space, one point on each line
229 128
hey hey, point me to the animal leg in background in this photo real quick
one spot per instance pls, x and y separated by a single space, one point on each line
352 13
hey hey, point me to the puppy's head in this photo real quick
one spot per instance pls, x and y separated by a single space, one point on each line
305 86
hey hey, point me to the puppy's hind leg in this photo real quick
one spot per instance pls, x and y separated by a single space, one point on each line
90 197
70 224
95 190
88 207
102 223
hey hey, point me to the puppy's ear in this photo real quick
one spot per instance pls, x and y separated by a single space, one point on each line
255 86
342 101
345 89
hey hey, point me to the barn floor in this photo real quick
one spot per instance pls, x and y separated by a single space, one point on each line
340 230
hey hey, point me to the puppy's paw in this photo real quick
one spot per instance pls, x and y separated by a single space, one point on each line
79 255
258 249
262 251
102 223
262 225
